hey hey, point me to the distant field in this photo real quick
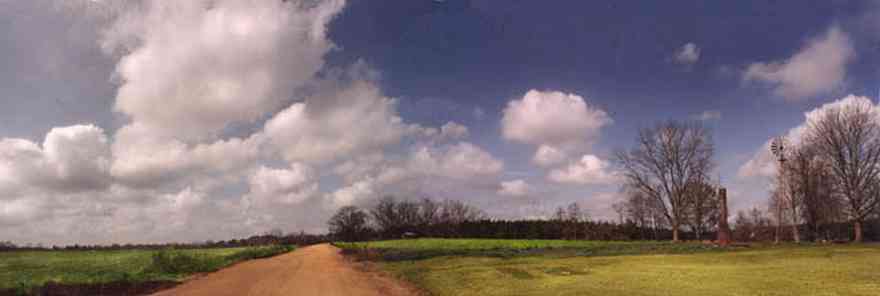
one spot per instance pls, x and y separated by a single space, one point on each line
641 268
393 250
23 271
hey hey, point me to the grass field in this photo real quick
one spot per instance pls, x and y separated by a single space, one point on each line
414 249
22 271
643 268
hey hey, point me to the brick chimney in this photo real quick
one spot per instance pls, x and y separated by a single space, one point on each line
723 228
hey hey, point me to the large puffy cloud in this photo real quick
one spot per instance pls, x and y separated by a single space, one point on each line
559 122
71 159
190 74
144 161
517 187
79 156
21 162
453 130
179 206
356 192
354 119
191 68
450 131
460 161
224 128
548 156
20 211
291 186
277 193
589 170
161 216
819 67
763 164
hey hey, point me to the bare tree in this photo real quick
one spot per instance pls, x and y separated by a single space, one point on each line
454 212
385 216
275 232
642 210
574 212
665 161
620 208
820 205
702 209
750 225
349 224
777 205
742 226
849 138
560 214
809 196
573 216
429 211
408 216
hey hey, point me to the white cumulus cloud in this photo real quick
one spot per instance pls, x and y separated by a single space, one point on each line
708 115
517 187
589 170
688 54
548 156
555 120
818 67
71 159
459 161
453 130
353 120
270 186
192 68
763 163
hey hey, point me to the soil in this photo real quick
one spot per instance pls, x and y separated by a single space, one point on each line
313 270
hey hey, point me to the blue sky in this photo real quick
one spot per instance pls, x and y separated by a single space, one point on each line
447 58
233 117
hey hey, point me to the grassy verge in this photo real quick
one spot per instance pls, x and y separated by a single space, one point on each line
23 272
648 269
417 249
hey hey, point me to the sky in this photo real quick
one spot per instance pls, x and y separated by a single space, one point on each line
158 121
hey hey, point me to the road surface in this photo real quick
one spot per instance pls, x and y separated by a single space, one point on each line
313 270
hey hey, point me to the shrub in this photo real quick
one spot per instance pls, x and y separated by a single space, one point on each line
259 252
172 261
179 262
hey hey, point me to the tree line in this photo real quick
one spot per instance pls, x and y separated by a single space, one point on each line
826 181
830 177
391 218
273 237
827 188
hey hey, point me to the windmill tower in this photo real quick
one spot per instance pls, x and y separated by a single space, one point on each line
778 149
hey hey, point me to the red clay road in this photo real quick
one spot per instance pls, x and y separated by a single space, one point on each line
314 270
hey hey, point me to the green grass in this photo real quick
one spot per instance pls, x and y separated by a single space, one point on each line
26 270
660 270
395 250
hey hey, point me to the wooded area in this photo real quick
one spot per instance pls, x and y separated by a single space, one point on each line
827 188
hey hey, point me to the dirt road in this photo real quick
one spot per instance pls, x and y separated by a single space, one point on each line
314 270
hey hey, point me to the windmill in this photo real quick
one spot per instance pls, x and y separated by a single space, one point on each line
777 147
